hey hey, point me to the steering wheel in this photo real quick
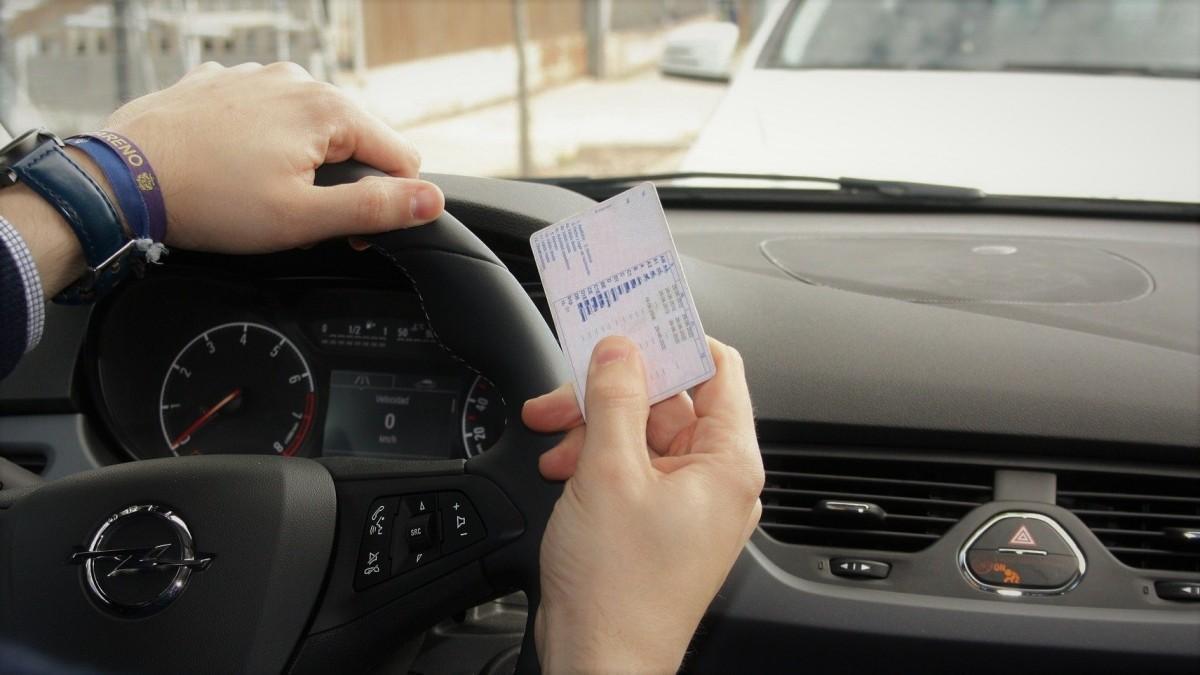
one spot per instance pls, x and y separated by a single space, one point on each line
261 563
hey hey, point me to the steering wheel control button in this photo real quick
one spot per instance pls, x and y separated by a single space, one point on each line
461 525
380 521
374 561
416 559
417 531
858 568
1017 554
420 504
373 567
1186 591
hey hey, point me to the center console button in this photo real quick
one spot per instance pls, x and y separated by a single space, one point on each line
1023 534
1187 591
859 568
1015 570
1016 553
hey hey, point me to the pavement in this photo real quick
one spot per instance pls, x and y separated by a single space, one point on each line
639 124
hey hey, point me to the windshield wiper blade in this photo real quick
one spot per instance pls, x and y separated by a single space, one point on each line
1098 69
903 189
892 189
633 179
860 193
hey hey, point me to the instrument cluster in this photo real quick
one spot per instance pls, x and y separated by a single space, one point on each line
187 364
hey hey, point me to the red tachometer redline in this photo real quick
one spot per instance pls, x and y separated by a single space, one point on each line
310 403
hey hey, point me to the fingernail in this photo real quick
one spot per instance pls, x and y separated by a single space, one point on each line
426 203
616 350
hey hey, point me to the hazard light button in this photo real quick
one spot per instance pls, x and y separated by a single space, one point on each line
1023 534
1022 553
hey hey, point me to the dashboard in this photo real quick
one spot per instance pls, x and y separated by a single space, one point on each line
1064 398
189 364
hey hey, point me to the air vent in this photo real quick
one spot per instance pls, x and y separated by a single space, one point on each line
1141 519
919 499
28 460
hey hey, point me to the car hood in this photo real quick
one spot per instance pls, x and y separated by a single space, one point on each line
1006 133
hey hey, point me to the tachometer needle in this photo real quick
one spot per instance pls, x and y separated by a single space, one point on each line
203 419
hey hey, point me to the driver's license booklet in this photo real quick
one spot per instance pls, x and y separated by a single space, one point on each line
614 270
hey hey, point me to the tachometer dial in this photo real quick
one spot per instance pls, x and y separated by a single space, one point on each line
483 417
237 388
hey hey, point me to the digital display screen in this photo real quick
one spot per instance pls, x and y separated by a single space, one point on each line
378 335
375 414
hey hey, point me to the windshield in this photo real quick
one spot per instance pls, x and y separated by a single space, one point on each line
1064 98
1153 37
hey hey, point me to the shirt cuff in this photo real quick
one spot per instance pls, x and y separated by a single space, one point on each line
35 300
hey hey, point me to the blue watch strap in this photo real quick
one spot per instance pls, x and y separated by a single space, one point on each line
48 171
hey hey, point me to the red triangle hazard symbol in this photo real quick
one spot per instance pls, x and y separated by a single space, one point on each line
1022 538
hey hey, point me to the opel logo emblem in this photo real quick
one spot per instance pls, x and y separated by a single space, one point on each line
140 560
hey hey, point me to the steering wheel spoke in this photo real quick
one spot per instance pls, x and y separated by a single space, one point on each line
401 529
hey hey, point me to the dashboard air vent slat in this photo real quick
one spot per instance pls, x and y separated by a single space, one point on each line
1131 514
921 498
876 497
1141 499
895 483
1137 515
874 533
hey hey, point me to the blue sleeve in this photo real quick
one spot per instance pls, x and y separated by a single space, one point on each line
22 304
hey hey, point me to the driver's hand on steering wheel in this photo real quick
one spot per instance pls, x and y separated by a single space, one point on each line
236 149
657 506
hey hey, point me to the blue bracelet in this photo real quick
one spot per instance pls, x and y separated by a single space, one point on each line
121 180
144 178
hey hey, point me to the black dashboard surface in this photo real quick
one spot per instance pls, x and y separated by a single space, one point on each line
1125 371
847 365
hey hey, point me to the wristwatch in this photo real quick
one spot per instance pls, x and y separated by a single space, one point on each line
36 158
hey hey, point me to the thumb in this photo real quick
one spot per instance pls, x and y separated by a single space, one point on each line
617 406
372 204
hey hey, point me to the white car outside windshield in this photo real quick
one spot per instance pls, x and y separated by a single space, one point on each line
1065 98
